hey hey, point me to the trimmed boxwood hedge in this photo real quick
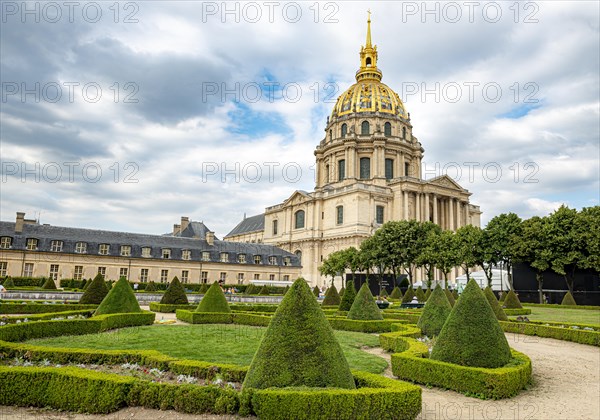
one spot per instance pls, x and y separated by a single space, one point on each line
369 326
435 313
376 397
511 301
552 331
332 297
515 312
120 299
45 317
488 383
364 306
95 292
557 306
175 294
168 308
242 318
38 308
214 300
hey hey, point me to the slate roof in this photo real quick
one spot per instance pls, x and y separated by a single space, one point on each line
45 234
249 224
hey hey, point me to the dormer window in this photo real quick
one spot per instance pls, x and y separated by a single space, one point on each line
186 254
205 256
80 248
32 244
146 252
272 260
224 257
166 253
5 242
257 259
56 246
104 249
242 258
126 250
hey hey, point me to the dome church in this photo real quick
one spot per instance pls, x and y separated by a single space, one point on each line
368 172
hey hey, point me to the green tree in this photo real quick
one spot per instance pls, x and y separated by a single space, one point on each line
446 254
568 248
427 258
468 241
504 232
333 265
374 257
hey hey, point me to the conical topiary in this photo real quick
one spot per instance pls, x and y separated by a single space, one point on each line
9 283
384 293
348 296
364 307
455 294
49 285
491 298
175 294
450 297
214 300
264 290
151 287
204 288
96 291
435 313
316 291
427 294
396 293
512 301
82 285
408 295
109 284
87 284
299 348
287 288
472 335
342 291
120 299
332 297
568 300
420 294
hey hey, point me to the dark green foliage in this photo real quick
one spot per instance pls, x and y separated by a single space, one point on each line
120 299
332 297
455 294
472 335
450 297
36 308
214 300
427 294
95 292
512 301
384 293
8 283
568 300
435 313
408 296
299 348
87 283
491 298
264 291
316 291
404 282
175 294
396 293
151 287
204 288
49 285
348 296
420 294
287 288
82 285
364 306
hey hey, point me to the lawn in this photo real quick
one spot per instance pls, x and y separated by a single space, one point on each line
581 316
210 342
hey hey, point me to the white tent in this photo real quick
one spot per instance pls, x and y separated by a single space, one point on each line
499 280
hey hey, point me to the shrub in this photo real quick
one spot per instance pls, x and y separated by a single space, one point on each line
450 297
151 287
8 283
420 294
316 291
96 292
204 288
455 294
435 313
214 300
427 294
576 335
471 335
396 293
159 307
120 299
87 283
384 293
568 300
264 291
404 282
82 285
512 301
491 298
348 296
36 308
364 306
175 294
370 326
49 285
408 296
287 288
299 347
332 297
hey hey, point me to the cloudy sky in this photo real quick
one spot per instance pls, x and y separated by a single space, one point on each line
126 116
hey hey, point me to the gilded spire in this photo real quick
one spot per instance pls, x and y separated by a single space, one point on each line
368 44
368 58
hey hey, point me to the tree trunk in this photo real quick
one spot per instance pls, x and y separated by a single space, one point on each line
539 276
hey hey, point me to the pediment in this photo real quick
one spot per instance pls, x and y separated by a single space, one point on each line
446 182
298 197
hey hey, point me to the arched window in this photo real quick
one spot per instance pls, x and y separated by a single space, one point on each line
339 215
299 219
403 132
330 135
299 255
341 169
326 173
368 61
344 129
387 129
365 168
389 169
364 128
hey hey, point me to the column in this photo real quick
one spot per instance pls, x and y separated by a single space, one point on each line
451 209
405 204
401 173
458 218
426 207
381 162
319 174
417 206
435 214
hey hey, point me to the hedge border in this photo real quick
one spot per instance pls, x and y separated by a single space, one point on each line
241 318
566 334
371 326
516 312
170 308
41 308
559 306
375 397
498 383
43 317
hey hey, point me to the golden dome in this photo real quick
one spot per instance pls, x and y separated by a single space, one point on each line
368 94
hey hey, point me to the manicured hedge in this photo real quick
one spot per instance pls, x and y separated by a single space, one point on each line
376 397
411 318
68 388
553 331
515 312
44 317
558 306
345 324
167 308
497 383
40 308
259 307
192 317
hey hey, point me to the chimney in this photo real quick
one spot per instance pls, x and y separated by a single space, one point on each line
185 221
176 229
210 238
20 221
